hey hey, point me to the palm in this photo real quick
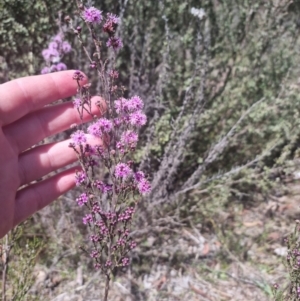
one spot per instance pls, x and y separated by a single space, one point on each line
25 121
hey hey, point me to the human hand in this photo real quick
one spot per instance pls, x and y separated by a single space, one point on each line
25 121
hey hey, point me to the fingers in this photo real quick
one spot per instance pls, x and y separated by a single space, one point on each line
41 160
37 196
24 95
44 123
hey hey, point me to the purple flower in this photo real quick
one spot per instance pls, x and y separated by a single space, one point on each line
144 186
78 137
138 176
57 38
94 238
138 118
87 219
121 242
113 74
112 18
125 261
94 254
61 67
121 105
82 199
132 245
53 68
94 130
53 45
96 209
77 103
66 47
80 178
50 55
45 70
110 24
78 75
105 125
122 170
102 186
120 147
92 15
114 43
90 150
129 138
108 263
135 103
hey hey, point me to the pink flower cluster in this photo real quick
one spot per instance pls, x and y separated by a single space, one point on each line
94 16
142 183
129 111
79 137
122 129
100 127
124 105
104 221
108 198
52 55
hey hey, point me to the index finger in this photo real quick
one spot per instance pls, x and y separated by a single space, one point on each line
24 95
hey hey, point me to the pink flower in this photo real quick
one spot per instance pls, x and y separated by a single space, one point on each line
77 103
57 38
144 186
114 43
78 137
112 18
53 45
94 130
121 105
125 261
80 178
105 125
66 47
45 70
82 199
102 186
50 55
138 176
94 254
129 138
87 219
92 15
61 67
138 118
113 74
135 103
122 170
110 24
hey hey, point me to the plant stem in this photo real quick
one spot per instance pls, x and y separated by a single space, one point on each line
5 259
106 287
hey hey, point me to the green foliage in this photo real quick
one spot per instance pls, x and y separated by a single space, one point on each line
25 27
292 263
20 253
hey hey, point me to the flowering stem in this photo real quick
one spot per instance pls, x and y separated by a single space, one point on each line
108 198
106 287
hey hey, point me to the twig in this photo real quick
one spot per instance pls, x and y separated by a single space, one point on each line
106 287
5 259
